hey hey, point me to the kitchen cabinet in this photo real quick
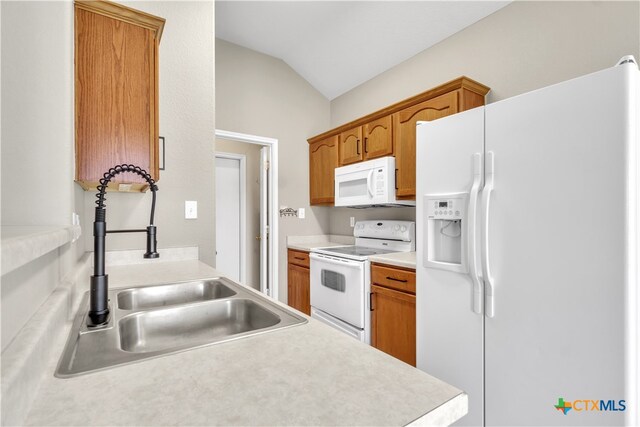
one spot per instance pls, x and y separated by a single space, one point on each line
116 93
405 138
350 148
298 278
393 311
378 138
391 132
369 141
323 159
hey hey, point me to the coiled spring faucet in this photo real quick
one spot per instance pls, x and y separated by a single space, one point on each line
98 296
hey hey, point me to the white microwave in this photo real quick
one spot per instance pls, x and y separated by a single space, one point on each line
370 183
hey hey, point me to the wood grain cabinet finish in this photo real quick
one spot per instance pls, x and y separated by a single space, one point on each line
393 312
300 258
378 140
299 282
116 92
405 138
350 148
323 160
391 131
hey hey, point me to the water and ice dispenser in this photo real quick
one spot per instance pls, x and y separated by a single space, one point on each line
446 231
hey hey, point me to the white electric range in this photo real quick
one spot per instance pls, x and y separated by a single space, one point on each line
341 275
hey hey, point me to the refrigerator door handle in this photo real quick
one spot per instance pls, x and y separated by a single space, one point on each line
472 242
489 308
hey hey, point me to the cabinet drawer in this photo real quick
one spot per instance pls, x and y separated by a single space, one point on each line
394 278
299 258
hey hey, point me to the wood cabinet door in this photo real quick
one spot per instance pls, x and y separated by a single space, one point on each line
350 148
323 160
378 138
393 323
116 93
404 125
299 295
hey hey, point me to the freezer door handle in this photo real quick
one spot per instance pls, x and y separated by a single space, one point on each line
472 242
489 308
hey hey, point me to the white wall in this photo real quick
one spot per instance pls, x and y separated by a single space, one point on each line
522 47
252 246
187 121
37 147
37 113
261 95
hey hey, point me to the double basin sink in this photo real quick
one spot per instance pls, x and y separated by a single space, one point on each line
156 320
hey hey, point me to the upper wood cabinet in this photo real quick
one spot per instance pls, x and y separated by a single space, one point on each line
116 93
391 131
405 137
323 159
378 138
350 148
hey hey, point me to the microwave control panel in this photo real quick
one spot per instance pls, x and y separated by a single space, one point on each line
445 208
379 182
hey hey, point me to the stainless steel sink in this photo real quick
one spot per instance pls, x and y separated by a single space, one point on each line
153 321
180 326
172 294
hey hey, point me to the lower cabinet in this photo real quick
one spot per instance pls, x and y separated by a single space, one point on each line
298 277
393 312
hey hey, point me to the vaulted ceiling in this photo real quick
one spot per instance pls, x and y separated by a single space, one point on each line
338 45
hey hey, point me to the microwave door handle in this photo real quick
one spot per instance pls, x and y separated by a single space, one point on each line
370 183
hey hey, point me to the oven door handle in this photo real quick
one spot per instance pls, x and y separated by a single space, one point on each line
343 262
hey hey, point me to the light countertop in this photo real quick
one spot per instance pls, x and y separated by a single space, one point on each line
22 244
304 375
399 259
307 243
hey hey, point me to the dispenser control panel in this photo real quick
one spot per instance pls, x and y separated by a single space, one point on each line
445 208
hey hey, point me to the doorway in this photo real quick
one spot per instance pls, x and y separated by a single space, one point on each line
246 215
231 221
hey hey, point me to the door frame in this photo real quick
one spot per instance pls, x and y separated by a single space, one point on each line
243 206
272 200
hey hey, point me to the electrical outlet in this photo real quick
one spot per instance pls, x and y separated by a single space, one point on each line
301 213
352 221
190 209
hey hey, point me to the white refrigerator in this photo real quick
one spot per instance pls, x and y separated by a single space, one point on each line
527 215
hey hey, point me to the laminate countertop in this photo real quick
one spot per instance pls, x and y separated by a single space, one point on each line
398 259
304 375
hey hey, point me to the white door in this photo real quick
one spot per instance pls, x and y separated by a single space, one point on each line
264 220
557 253
449 332
228 216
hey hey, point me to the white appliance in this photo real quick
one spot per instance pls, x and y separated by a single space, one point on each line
366 184
527 268
340 276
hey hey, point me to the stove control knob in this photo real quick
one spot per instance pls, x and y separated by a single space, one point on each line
403 228
396 228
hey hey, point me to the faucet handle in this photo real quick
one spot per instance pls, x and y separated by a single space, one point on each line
152 243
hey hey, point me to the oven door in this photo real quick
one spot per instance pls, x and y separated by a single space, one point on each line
338 287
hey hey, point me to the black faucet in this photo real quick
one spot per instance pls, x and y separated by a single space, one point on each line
98 296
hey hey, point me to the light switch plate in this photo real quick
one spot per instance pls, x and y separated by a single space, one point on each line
301 213
191 209
352 221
